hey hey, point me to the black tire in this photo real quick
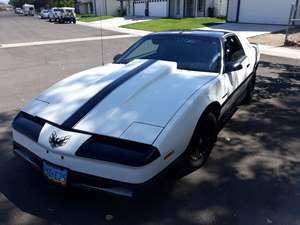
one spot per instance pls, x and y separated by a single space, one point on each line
250 90
202 142
74 21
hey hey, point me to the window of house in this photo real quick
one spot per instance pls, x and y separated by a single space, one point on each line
233 49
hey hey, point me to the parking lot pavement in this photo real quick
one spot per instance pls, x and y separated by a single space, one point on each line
19 29
252 177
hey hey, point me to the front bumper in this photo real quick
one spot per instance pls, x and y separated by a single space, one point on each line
82 180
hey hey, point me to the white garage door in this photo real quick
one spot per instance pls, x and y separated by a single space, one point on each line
158 8
139 8
265 11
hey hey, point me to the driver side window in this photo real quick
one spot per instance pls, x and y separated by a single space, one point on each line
233 50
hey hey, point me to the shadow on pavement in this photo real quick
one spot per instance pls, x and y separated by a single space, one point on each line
252 176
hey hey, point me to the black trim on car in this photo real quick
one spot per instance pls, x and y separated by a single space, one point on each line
98 147
92 102
75 178
120 151
28 125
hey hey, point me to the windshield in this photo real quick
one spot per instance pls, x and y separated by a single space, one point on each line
189 52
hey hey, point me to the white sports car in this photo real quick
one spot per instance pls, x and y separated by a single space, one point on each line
117 127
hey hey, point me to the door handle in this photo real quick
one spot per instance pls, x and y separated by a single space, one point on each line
248 65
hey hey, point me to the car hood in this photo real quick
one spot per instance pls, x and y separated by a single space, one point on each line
150 98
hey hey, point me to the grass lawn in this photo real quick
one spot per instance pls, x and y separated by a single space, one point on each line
174 24
91 17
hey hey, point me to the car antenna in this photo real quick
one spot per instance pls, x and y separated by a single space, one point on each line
101 36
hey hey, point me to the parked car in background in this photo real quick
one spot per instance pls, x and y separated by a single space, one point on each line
28 10
66 15
44 14
18 11
52 14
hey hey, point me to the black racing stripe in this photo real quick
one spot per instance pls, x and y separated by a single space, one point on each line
90 104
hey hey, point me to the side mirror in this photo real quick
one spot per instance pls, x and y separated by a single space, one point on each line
117 57
230 67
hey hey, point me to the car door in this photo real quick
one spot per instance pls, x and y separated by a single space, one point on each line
234 53
232 80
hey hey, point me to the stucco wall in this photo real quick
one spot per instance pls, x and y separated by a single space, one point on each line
158 8
106 7
232 10
298 14
112 7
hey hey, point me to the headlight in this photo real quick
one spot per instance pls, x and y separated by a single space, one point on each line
118 151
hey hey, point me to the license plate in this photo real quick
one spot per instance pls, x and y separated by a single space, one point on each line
55 174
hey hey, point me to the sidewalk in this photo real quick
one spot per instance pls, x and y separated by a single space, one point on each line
280 52
115 23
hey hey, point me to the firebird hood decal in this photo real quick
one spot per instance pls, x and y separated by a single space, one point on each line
152 96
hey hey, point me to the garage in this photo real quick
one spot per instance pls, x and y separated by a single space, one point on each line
139 7
154 8
260 11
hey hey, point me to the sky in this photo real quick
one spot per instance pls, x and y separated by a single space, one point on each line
5 1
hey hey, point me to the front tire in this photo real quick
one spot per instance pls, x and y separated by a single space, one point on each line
202 142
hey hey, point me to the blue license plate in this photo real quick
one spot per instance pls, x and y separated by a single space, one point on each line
55 174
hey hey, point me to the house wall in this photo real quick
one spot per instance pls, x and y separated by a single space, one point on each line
232 10
176 8
159 8
112 7
139 8
129 8
220 8
162 7
106 7
259 11
84 8
297 15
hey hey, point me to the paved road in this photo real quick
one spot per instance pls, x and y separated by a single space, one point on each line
18 29
253 176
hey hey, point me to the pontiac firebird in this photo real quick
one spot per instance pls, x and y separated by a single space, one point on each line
119 126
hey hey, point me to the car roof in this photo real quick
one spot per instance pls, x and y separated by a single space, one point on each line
205 33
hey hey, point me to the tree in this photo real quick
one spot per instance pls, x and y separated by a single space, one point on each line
20 3
63 3
43 3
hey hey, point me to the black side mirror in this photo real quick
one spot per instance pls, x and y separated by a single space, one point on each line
117 57
230 67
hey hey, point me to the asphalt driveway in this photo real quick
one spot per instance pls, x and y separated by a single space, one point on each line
249 30
252 177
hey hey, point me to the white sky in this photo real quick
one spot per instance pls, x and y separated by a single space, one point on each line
5 1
